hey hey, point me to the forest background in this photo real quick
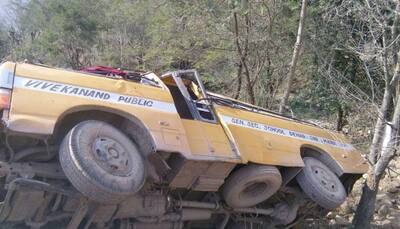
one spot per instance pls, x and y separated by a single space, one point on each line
336 60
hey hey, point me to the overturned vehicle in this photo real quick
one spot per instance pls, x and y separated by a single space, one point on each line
106 148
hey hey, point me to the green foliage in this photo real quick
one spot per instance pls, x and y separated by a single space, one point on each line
162 35
58 32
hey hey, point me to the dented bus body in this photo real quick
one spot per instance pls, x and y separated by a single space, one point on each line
198 145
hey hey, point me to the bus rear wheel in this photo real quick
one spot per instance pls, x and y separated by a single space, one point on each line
102 162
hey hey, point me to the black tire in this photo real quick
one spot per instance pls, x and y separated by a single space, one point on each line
101 162
321 184
251 185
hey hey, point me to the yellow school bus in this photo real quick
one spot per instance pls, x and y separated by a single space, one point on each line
130 149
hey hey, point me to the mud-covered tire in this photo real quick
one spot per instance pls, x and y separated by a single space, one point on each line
251 185
101 162
320 184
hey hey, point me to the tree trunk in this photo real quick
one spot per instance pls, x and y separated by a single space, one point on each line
242 52
239 79
295 57
380 126
341 118
366 206
395 32
390 141
249 84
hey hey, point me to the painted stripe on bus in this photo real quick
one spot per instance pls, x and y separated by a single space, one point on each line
91 93
285 132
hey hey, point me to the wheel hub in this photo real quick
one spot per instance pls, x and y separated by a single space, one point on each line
111 156
325 179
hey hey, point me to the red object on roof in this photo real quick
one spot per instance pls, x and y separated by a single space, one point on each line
105 70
